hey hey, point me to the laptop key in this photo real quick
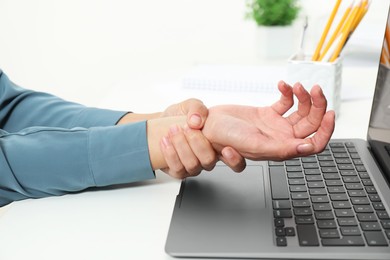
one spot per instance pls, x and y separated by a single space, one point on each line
290 231
350 231
299 195
344 213
386 224
329 233
374 197
341 204
282 213
345 241
303 212
360 201
378 205
382 214
304 220
336 189
363 209
301 203
366 217
281 204
367 182
296 181
321 215
339 197
275 163
307 235
281 241
354 186
370 226
343 222
279 188
326 224
280 231
279 222
322 206
375 238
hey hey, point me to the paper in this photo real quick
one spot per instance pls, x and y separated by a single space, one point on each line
234 78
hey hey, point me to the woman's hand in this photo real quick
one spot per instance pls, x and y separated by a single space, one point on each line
263 133
185 149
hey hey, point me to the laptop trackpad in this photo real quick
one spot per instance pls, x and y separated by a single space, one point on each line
222 189
221 209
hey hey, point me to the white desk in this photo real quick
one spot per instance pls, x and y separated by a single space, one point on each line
128 221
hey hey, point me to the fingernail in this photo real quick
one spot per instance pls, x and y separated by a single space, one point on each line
174 129
166 141
195 120
227 153
305 148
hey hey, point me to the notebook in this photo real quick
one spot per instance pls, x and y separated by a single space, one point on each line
333 205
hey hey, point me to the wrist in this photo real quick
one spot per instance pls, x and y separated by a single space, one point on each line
133 117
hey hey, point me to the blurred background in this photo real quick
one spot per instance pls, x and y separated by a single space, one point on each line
80 49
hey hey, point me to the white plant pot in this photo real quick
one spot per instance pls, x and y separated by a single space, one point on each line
275 42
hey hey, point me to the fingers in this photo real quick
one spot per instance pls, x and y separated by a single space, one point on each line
187 152
286 100
318 141
324 132
233 159
175 168
311 122
201 148
298 147
196 113
304 104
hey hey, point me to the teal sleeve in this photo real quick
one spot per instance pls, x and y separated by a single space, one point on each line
45 161
49 146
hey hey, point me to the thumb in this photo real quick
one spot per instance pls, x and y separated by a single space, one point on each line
197 113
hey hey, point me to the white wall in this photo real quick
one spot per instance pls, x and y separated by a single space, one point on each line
79 48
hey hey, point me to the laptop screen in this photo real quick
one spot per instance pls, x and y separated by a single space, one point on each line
379 128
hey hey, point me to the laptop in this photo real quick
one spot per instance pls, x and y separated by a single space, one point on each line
333 205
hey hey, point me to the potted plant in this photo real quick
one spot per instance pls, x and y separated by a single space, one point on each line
274 19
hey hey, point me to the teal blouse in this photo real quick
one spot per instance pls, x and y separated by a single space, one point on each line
49 146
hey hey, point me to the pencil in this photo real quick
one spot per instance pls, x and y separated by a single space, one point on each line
346 31
387 35
359 15
364 8
336 32
326 30
385 54
331 50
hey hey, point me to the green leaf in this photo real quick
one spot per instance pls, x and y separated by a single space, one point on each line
272 12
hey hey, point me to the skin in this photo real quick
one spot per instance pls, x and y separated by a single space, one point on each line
233 132
183 153
263 133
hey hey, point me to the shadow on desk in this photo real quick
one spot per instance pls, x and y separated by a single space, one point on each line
161 178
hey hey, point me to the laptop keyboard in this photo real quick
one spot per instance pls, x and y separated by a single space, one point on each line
327 199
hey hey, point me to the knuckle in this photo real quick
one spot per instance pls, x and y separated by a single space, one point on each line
209 162
192 166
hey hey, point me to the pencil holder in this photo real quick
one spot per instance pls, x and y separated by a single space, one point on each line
325 74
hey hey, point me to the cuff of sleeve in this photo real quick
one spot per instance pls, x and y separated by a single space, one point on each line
91 117
119 154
